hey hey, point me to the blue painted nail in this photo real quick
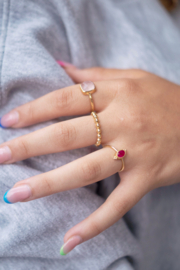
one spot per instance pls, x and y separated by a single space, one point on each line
1 124
5 197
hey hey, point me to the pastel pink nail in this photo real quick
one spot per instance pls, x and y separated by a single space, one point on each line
17 194
71 244
65 64
5 154
10 119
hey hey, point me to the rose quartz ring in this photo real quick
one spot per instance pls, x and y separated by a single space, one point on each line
120 154
88 88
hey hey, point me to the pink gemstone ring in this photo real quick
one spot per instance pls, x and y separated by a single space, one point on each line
88 88
120 154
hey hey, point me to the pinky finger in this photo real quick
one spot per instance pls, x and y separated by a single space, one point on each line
121 200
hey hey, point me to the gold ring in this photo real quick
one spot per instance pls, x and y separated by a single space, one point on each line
98 130
88 88
120 154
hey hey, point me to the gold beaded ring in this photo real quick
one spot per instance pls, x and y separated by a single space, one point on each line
98 130
88 88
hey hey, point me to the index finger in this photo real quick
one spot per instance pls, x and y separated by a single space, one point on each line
62 102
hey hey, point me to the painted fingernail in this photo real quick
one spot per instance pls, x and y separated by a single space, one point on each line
65 64
17 194
5 154
1 124
9 119
71 244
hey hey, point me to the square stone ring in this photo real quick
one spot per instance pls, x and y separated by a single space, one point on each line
88 88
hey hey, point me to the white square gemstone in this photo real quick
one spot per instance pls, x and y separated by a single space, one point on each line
87 86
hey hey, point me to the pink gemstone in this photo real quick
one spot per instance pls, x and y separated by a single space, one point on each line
87 86
121 153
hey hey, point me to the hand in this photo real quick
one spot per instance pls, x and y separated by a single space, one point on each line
138 111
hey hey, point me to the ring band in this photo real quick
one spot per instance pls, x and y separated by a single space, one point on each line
120 154
88 88
98 130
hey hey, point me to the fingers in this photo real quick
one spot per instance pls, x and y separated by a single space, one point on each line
63 102
69 101
81 172
121 200
99 74
72 134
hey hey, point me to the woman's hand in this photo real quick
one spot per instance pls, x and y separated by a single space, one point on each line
138 111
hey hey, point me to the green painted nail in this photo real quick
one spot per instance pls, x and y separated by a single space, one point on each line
61 251
70 244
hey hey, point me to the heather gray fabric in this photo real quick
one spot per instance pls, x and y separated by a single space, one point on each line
108 33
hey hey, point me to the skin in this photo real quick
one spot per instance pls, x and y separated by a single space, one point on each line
137 110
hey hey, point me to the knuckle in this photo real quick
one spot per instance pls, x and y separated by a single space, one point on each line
140 124
64 134
136 115
138 119
126 87
91 170
129 85
31 112
95 227
63 98
137 122
47 185
24 147
120 208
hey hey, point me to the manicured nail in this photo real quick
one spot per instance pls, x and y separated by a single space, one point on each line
65 64
5 154
9 119
71 244
17 194
1 124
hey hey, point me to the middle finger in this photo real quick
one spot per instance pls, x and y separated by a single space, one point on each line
71 134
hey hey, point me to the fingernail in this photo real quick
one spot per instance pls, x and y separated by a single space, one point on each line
1 124
65 64
9 119
5 154
71 244
17 194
